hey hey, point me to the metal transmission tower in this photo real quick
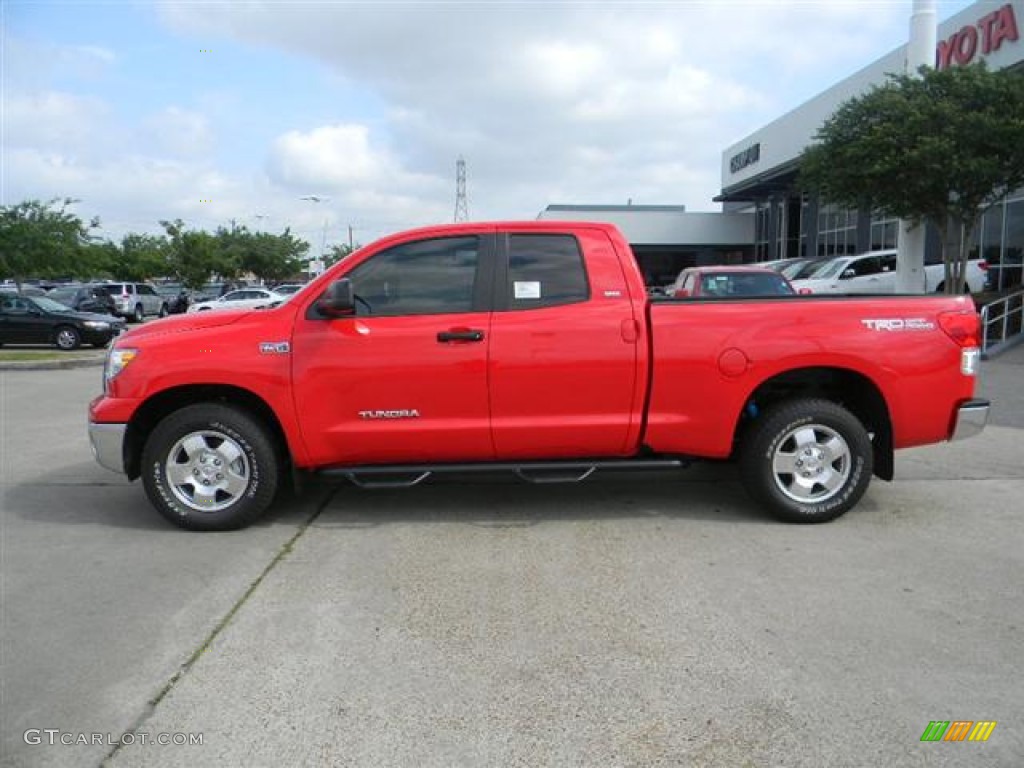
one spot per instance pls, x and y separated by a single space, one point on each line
461 206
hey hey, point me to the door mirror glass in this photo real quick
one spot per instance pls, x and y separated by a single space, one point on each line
338 300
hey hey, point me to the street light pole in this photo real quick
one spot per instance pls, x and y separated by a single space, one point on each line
323 239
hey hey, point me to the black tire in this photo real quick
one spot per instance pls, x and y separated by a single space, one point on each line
164 311
210 467
941 288
826 450
67 337
138 315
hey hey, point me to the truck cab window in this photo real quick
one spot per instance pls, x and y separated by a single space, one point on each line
427 277
545 271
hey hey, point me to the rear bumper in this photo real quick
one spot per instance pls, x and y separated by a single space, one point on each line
108 445
971 418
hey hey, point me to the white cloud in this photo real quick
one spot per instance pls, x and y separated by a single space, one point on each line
548 102
54 120
541 97
331 156
178 131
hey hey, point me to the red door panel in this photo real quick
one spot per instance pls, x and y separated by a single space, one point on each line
406 379
564 377
386 389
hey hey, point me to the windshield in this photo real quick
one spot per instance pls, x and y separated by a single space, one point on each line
63 295
49 305
801 269
828 270
744 284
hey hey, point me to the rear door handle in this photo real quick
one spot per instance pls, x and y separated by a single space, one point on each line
460 335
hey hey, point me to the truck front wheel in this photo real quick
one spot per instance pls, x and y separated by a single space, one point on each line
210 467
808 461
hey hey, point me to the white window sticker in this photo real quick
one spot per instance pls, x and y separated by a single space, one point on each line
526 289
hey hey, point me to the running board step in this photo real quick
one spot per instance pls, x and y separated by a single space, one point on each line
537 472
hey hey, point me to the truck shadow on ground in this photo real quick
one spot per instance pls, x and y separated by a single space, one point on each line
702 492
83 494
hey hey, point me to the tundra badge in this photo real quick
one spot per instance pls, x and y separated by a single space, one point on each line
399 414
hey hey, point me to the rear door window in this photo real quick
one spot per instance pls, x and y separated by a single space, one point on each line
545 271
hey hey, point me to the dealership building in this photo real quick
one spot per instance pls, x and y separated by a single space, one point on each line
667 238
759 171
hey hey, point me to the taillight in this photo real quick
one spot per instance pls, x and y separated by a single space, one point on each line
805 291
962 327
965 329
983 265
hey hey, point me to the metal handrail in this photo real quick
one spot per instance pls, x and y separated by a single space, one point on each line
994 316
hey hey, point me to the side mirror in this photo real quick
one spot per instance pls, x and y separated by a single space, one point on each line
338 300
682 293
848 273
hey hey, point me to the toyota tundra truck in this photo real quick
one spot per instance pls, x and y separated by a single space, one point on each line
530 347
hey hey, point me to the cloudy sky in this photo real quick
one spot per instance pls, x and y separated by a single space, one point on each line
214 112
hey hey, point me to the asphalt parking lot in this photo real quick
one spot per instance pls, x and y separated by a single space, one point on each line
664 621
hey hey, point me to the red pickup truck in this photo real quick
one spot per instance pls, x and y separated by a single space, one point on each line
531 347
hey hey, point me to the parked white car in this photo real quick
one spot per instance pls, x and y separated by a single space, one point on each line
875 272
243 298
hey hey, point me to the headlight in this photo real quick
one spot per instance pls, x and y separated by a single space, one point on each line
118 358
97 325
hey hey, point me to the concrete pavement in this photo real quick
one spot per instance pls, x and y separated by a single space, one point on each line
1002 381
655 621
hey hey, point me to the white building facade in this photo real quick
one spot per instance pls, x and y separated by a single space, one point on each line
759 171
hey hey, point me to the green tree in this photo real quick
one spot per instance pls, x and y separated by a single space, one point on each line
99 259
941 147
41 239
143 257
269 257
192 256
276 257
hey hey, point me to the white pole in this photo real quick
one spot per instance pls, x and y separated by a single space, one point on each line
910 276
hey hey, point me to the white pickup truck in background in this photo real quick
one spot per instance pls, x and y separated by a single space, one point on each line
875 272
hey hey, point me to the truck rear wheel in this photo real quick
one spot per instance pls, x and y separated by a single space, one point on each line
808 461
210 467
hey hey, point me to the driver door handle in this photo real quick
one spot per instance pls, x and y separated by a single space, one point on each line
463 335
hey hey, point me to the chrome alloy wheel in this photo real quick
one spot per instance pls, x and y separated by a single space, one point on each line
67 338
811 464
207 471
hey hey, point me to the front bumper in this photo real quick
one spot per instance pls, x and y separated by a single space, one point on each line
971 418
108 445
101 338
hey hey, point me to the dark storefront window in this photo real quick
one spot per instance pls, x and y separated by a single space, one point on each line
883 233
1012 266
762 233
837 231
991 232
